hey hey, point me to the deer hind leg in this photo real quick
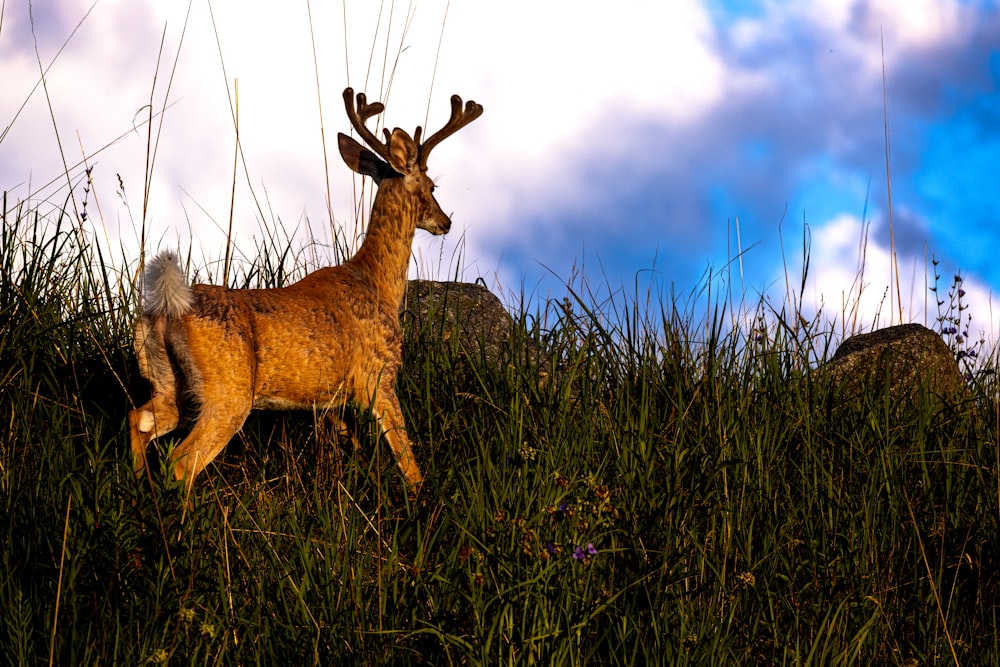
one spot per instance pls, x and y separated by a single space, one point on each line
390 419
157 417
160 415
215 427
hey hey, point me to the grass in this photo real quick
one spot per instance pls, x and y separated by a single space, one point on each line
632 484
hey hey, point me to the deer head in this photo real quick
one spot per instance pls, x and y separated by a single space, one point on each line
400 162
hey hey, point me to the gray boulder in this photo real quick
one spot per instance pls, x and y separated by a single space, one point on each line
905 360
437 311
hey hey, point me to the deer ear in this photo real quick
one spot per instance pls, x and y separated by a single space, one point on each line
362 160
402 151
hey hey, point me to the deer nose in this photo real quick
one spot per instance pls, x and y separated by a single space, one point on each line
437 225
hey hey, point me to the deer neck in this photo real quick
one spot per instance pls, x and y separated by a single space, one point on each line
384 256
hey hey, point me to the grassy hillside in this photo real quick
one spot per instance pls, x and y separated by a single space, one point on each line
631 487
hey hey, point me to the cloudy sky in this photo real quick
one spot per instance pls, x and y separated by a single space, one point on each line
636 141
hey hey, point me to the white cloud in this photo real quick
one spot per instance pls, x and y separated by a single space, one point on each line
857 287
564 84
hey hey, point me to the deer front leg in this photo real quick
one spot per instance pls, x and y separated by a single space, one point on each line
390 419
157 417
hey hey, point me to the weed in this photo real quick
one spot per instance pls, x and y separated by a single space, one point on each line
624 484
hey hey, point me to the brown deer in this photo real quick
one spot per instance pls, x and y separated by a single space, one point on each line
213 354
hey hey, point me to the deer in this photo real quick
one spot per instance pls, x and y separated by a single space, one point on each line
213 354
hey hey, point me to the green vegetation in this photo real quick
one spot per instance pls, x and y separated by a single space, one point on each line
633 484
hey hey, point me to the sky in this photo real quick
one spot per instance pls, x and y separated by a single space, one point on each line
648 145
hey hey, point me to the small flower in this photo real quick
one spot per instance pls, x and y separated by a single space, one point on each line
208 630
157 657
582 554
553 548
560 511
527 540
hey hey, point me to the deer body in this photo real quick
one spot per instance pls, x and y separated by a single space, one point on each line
213 354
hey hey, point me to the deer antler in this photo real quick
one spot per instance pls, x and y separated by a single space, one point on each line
459 119
359 115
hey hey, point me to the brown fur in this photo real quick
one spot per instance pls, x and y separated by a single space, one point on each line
330 338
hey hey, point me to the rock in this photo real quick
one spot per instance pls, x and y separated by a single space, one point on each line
908 358
439 310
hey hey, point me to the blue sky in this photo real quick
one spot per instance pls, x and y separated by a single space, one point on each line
632 140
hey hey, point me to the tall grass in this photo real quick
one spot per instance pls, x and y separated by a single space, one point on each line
633 482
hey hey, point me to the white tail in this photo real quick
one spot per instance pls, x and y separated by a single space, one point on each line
164 287
213 354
